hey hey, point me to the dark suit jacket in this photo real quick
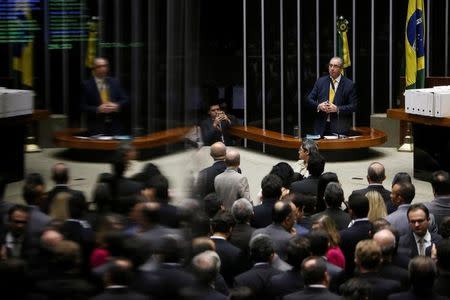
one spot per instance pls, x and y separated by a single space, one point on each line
340 217
381 288
408 242
410 295
90 100
286 283
386 194
119 294
393 272
205 181
349 238
210 134
345 99
441 284
258 280
305 186
310 293
263 213
231 259
241 235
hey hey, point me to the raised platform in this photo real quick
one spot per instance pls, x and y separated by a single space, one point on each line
366 137
68 138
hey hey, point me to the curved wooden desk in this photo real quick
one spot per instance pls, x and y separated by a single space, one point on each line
368 137
67 138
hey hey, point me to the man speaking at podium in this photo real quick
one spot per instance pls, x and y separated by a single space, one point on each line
334 99
103 100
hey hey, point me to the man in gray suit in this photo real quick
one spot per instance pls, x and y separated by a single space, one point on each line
231 185
440 206
402 195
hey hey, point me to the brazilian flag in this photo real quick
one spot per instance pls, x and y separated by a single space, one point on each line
414 45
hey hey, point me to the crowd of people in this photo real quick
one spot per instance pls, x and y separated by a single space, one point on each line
302 239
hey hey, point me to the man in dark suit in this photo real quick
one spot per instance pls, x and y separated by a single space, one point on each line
314 271
292 280
231 257
334 99
271 192
242 211
117 279
214 128
419 240
60 175
422 272
368 258
316 165
358 209
375 176
103 100
205 179
258 277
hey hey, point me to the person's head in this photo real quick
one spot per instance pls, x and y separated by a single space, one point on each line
376 173
358 205
218 151
271 186
201 244
306 148
18 216
285 172
319 241
316 164
159 186
284 214
356 289
261 248
418 218
443 255
324 179
67 256
232 158
422 272
50 238
33 188
379 224
441 183
212 205
148 213
377 207
206 266
120 272
334 195
401 177
101 67
297 250
444 227
172 248
214 110
314 271
402 192
60 173
222 223
242 210
335 67
367 255
386 240
328 225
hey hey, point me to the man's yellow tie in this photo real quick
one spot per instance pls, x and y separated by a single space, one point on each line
104 94
332 92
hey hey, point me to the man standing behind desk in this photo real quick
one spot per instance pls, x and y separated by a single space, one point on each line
103 100
334 99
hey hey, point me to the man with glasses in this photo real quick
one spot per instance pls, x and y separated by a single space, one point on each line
334 99
13 240
419 240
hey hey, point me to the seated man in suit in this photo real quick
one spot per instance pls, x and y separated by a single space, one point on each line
214 128
419 240
334 99
103 100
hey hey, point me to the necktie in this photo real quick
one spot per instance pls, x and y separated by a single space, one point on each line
104 94
421 244
332 92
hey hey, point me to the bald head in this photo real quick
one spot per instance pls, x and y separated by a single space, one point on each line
384 238
232 158
60 173
376 173
218 151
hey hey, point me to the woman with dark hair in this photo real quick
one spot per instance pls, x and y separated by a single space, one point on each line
307 147
286 174
324 179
